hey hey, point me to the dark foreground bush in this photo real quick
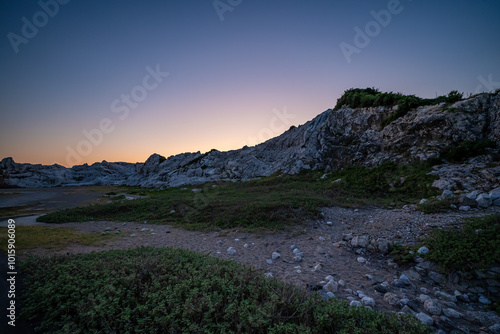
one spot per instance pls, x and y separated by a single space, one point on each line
474 246
153 290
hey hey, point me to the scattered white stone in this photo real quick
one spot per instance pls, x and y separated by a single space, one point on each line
473 194
331 286
432 306
451 313
447 194
483 201
132 235
218 252
321 239
423 201
245 245
341 283
355 303
293 247
317 267
391 298
236 239
299 271
337 180
329 223
196 190
268 275
330 294
361 259
484 300
403 278
368 301
446 296
464 208
172 211
494 195
329 278
269 261
425 319
424 291
144 229
423 250
231 251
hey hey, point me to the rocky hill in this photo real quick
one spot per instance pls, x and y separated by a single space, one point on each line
332 140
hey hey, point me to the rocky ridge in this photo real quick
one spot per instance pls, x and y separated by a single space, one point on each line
332 140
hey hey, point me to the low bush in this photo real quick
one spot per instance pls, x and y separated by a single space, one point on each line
158 290
475 245
466 149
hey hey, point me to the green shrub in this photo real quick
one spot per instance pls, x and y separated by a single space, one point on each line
466 149
372 97
153 290
475 245
434 205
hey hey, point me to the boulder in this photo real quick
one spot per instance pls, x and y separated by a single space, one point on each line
360 241
432 306
483 201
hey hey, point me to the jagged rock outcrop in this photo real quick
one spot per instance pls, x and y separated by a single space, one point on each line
33 176
332 140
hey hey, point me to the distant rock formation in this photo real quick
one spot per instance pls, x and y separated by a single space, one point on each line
332 140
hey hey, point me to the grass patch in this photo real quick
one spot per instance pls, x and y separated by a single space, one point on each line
159 290
387 184
273 202
475 245
28 237
20 210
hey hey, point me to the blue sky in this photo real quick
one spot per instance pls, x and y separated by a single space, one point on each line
229 81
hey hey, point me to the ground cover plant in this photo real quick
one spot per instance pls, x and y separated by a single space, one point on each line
475 245
50 238
273 202
160 290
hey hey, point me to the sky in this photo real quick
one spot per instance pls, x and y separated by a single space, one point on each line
119 80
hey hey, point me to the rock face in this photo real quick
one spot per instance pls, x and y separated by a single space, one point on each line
32 176
330 141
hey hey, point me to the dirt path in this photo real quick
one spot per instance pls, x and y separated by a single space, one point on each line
316 240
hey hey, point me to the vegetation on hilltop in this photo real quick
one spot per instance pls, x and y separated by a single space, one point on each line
372 97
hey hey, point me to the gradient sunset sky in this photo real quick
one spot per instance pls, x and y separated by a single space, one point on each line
239 71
